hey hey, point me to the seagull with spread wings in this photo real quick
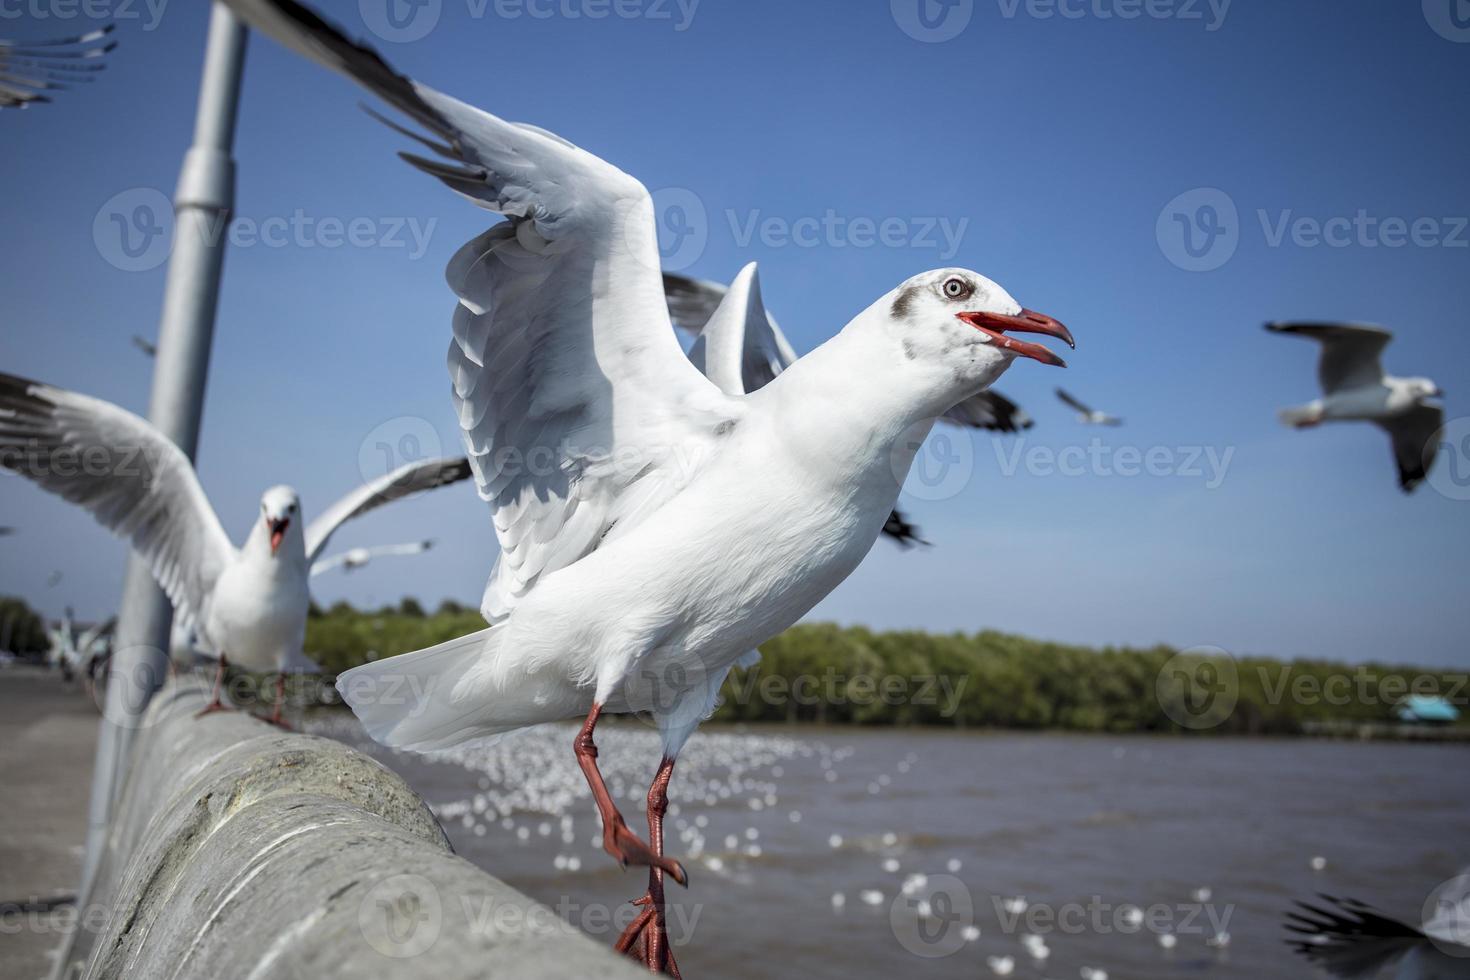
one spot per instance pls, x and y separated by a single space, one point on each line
247 604
656 524
1352 940
1085 413
750 340
31 69
1355 388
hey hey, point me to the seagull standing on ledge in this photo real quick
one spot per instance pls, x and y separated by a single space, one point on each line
1356 389
654 528
248 604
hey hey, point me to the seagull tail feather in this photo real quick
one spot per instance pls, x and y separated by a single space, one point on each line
416 701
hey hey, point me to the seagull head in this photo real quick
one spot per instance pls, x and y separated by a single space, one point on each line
1423 389
961 323
280 511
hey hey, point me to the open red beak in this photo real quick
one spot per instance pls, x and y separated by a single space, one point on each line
1027 321
278 533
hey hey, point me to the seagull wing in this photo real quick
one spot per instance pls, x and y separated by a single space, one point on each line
1413 436
989 410
1071 402
29 68
561 318
135 482
1349 939
738 344
1350 352
406 481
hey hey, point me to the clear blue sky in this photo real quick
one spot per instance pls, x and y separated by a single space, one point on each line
1058 140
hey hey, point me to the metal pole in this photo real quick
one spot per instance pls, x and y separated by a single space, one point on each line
202 204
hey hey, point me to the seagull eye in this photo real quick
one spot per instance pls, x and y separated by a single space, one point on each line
957 288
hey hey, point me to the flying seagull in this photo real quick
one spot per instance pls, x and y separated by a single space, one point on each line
1354 941
248 604
654 528
355 558
1085 414
6 532
30 69
1356 389
148 348
759 351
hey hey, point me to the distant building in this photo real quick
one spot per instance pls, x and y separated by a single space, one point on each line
1422 709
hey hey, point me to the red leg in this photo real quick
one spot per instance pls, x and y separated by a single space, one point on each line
647 937
617 839
215 704
275 718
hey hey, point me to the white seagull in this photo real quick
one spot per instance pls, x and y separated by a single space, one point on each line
747 350
248 605
355 558
30 69
654 528
1356 389
1354 941
1085 414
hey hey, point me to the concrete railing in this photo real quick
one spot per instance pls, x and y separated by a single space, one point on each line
239 850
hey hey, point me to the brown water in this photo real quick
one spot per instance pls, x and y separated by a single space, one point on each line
1082 827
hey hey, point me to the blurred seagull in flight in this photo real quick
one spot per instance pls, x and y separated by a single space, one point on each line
355 558
31 69
149 348
248 604
656 523
1356 389
738 332
1086 414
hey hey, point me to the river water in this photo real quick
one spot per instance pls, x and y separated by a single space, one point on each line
844 852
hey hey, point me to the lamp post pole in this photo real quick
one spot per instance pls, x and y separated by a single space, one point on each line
203 202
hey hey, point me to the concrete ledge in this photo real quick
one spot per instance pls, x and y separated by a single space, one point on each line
239 850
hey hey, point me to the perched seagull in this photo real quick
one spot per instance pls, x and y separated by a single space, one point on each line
1354 941
148 348
351 560
757 346
655 528
28 69
1356 389
249 604
1086 415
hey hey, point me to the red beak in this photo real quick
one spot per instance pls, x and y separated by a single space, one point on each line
1027 321
278 532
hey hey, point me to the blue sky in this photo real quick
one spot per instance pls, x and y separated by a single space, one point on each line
1039 144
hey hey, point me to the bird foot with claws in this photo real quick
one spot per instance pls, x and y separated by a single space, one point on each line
647 939
628 848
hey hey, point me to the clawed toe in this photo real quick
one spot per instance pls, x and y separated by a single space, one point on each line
211 709
629 848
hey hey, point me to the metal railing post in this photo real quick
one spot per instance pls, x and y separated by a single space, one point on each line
202 205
